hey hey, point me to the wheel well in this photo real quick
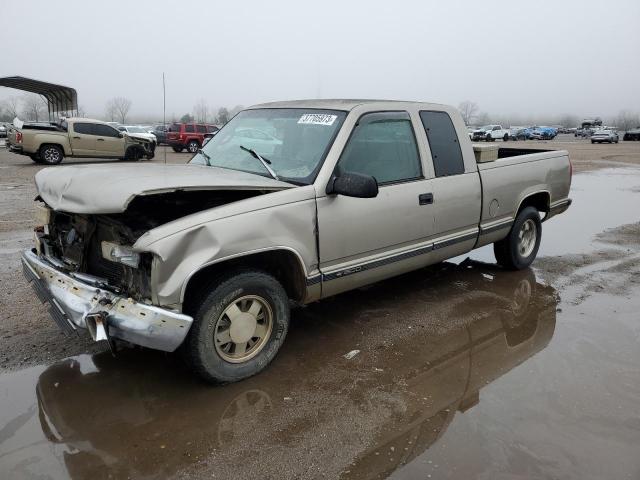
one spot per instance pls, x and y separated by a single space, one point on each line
284 265
539 200
49 144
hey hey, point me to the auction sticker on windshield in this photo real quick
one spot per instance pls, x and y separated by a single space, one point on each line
317 119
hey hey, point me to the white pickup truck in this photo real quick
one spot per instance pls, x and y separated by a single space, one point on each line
208 256
489 133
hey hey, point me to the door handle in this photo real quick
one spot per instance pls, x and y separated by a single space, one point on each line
77 138
425 199
100 140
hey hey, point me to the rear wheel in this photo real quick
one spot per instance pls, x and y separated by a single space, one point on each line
51 154
488 138
506 137
193 146
240 322
518 250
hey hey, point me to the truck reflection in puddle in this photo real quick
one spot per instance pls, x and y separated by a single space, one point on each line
461 327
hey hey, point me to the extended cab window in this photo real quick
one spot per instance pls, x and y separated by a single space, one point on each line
443 142
383 145
189 128
84 128
105 131
201 129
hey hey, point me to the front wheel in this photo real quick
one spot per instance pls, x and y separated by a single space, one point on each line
239 325
505 138
488 138
518 250
177 149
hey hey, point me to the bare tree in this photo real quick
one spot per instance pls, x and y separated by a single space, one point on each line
235 110
11 107
118 109
483 118
627 120
34 107
201 111
223 116
468 110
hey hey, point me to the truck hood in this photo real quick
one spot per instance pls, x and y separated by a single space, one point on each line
109 189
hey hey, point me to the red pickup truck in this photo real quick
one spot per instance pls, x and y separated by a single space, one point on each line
188 135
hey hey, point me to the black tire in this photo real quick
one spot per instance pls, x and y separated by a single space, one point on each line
488 138
592 141
50 154
208 310
505 138
133 154
507 251
35 157
193 146
177 149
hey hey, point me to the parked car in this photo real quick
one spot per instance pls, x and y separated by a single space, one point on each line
605 135
137 131
160 131
208 136
76 137
543 133
210 255
490 133
631 135
519 133
188 135
3 130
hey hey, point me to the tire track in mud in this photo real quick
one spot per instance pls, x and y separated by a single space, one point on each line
613 269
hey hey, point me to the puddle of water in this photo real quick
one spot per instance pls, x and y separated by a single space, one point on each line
143 414
463 371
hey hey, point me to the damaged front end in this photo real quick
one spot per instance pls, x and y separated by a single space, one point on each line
84 267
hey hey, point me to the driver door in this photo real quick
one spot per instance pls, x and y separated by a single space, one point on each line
362 240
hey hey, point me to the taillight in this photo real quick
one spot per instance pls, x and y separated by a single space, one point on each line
19 137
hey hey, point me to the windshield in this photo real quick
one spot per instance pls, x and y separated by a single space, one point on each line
486 127
294 141
136 130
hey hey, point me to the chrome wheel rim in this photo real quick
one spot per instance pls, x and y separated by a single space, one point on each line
527 238
193 148
243 329
51 155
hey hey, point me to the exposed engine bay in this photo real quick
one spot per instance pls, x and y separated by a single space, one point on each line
77 242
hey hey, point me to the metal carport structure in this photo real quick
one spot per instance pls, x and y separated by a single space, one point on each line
60 99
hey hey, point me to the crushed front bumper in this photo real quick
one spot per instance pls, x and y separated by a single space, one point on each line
73 302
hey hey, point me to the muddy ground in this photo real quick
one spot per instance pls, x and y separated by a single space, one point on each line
464 370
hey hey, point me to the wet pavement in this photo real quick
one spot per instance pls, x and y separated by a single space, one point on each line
464 371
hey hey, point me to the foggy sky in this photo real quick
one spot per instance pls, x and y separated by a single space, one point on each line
511 57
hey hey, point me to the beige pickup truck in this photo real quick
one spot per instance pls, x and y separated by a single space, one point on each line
208 257
76 137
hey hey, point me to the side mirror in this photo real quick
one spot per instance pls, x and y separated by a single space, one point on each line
120 135
351 184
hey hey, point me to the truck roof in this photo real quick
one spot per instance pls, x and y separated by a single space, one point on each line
345 104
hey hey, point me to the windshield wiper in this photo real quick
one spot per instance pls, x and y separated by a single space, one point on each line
206 157
262 160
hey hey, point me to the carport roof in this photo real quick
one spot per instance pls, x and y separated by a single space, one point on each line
59 97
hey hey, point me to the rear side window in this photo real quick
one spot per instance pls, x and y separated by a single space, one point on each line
201 129
212 128
189 129
175 127
444 144
105 130
84 128
383 145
